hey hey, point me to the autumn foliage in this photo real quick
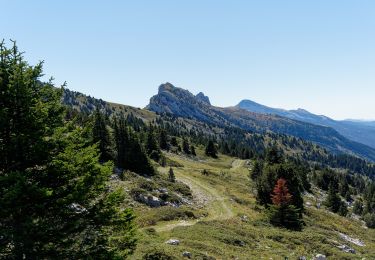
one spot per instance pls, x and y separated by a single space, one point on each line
281 195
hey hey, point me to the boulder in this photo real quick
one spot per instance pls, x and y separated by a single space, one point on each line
187 254
320 257
347 249
150 200
173 242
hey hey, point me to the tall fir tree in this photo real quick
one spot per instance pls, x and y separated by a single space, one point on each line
211 149
152 145
53 201
186 146
282 212
101 136
163 140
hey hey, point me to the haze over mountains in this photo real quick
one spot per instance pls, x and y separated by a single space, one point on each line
336 136
356 130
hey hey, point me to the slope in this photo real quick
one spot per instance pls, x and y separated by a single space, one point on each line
362 132
181 103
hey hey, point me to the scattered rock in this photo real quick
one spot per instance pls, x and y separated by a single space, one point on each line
187 254
302 258
245 218
352 240
150 200
347 249
78 209
320 257
173 242
308 204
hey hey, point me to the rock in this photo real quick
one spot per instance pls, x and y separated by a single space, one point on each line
78 209
302 258
308 204
245 218
173 242
150 200
354 241
187 254
347 249
200 96
320 257
163 190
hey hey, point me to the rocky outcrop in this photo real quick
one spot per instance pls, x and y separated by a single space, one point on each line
200 96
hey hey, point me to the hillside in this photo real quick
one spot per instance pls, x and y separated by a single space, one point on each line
233 226
179 102
362 132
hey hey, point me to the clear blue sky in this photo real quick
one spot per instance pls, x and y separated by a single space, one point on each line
317 54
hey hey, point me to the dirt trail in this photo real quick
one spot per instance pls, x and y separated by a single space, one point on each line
205 195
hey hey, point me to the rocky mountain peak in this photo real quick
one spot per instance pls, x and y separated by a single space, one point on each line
200 96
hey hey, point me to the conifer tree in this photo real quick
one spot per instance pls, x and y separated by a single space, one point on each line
186 146
152 145
53 201
193 150
130 152
282 212
171 175
211 149
333 201
163 140
101 136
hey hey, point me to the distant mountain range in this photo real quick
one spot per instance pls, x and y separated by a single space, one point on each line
256 118
356 130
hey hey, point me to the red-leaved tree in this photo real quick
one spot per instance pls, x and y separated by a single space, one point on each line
281 195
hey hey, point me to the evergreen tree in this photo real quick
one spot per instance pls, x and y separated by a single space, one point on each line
174 141
193 150
282 212
171 175
186 146
257 170
130 153
358 207
152 145
163 140
101 136
211 149
333 201
53 203
274 155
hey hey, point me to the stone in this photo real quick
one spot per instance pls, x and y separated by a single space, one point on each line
77 208
187 254
320 257
150 200
347 249
173 242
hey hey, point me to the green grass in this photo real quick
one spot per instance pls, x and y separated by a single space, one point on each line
217 229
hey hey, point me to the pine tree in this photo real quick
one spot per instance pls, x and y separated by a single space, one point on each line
53 202
333 201
171 175
282 212
152 145
130 153
211 149
101 136
257 170
163 140
186 146
193 150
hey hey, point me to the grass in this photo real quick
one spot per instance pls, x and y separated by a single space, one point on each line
217 230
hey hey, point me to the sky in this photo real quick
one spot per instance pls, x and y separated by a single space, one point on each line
315 54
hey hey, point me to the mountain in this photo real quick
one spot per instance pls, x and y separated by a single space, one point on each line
171 100
358 131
